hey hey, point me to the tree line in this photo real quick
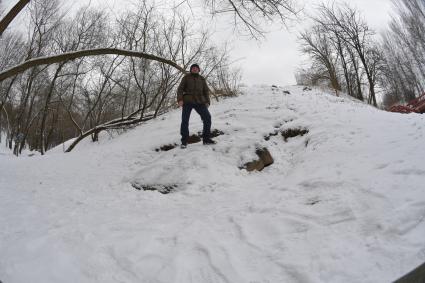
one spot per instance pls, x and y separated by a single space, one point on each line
76 76
347 55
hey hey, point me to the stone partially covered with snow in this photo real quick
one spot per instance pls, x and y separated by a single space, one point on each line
344 202
264 159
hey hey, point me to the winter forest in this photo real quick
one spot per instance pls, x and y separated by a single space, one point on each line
45 104
349 56
53 88
203 141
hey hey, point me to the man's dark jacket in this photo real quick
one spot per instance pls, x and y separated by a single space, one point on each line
193 89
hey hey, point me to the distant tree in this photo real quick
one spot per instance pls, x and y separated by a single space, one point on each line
317 45
404 52
342 44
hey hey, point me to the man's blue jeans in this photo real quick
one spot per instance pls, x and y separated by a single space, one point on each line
202 110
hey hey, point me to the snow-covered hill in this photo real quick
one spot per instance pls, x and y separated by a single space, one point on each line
343 203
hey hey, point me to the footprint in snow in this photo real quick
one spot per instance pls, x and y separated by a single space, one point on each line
412 171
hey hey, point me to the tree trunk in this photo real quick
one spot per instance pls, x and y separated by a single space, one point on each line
46 107
344 66
357 73
372 96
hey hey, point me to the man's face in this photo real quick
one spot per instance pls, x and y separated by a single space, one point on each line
194 70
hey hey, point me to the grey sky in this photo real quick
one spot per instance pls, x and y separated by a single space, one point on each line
274 59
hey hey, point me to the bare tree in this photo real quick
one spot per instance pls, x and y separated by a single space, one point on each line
341 34
404 49
317 45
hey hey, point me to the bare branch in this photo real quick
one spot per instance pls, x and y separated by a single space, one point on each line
83 53
5 22
251 14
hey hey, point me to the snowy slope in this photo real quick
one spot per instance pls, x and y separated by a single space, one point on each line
344 203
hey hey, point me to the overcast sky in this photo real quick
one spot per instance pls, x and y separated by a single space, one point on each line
275 59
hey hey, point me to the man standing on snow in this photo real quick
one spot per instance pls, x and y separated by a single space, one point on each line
193 93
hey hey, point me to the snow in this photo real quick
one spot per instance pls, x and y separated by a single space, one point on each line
343 203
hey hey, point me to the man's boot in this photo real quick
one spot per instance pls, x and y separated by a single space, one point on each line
209 141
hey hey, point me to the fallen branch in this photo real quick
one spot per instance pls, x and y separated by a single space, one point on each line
113 124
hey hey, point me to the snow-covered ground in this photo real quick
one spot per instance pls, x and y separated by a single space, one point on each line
344 203
3 149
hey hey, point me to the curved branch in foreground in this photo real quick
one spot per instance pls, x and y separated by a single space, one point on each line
82 53
5 22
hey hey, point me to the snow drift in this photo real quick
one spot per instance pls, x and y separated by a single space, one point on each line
344 202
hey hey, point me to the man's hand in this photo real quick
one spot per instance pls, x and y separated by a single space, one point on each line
180 103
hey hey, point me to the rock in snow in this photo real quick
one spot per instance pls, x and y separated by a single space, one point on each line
343 203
